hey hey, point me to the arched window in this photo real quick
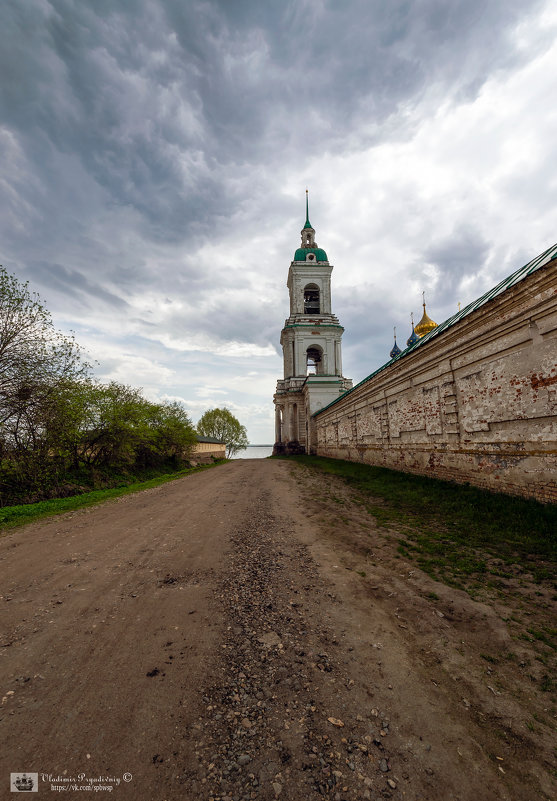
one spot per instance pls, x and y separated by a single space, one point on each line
311 299
314 360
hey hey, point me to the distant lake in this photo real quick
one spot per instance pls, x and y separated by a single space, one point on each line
254 452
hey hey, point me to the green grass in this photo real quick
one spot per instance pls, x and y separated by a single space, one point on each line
492 546
11 516
546 635
489 658
453 531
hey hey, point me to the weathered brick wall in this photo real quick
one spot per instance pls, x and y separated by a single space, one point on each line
477 404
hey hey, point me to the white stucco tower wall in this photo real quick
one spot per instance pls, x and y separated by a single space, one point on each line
311 346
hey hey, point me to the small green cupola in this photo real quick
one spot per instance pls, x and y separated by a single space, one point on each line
309 250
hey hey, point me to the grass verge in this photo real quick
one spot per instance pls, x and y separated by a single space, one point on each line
499 549
450 529
12 516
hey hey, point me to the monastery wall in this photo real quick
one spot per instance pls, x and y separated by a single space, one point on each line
476 403
205 452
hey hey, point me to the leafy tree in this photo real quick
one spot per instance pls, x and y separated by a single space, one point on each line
221 424
58 425
123 429
173 435
36 365
31 350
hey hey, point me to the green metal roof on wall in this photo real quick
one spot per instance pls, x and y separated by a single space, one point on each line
536 264
301 254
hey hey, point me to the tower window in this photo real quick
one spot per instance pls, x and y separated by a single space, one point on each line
311 299
314 360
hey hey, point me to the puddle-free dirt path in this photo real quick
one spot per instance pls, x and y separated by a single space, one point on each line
214 639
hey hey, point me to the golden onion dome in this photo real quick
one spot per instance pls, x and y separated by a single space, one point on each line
425 325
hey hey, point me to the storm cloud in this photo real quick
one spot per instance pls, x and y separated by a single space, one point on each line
155 156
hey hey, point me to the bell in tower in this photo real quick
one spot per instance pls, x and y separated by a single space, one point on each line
311 345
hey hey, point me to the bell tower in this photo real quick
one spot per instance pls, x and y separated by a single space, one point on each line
311 346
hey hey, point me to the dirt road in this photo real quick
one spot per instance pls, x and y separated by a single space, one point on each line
216 638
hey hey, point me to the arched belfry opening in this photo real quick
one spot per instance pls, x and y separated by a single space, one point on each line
314 360
312 303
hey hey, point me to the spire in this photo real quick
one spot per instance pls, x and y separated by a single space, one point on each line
309 250
395 350
308 224
413 338
426 324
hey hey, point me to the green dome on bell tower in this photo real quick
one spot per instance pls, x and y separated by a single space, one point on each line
302 254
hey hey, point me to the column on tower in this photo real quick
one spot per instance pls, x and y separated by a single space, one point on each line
278 424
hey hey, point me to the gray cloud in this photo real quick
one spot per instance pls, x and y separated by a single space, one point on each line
63 280
462 254
151 151
154 99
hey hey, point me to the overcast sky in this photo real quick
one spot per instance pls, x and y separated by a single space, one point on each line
154 156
